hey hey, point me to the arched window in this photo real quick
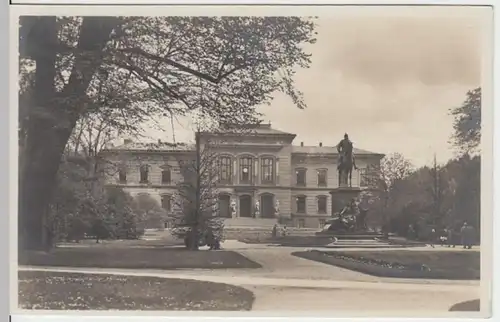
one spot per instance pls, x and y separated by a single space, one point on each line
225 169
322 177
144 173
267 170
301 204
322 205
166 202
166 175
246 170
300 175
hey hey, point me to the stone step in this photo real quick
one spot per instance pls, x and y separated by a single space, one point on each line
367 246
250 222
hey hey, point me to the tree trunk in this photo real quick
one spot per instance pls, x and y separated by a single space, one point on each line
37 183
51 121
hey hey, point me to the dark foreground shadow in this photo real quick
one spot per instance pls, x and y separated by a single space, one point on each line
468 306
140 258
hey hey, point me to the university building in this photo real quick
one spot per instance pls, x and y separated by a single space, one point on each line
264 178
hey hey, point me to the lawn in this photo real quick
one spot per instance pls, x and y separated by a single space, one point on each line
459 265
146 257
71 291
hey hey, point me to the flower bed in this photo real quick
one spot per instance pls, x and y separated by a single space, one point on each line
404 263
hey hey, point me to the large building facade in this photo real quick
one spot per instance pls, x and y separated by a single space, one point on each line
263 178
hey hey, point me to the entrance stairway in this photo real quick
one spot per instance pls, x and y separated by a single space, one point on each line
362 243
250 223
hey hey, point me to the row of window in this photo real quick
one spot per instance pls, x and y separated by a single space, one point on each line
166 175
225 165
268 169
301 204
246 170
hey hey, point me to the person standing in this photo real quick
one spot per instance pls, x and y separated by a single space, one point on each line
451 237
467 233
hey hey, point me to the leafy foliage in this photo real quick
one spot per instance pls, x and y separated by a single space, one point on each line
150 211
196 203
82 207
440 197
125 71
467 123
383 181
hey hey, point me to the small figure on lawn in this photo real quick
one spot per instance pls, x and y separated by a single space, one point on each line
212 240
468 235
432 237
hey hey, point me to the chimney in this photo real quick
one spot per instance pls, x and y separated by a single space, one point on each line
127 141
301 143
320 144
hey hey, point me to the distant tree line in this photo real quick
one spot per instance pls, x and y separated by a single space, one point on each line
436 196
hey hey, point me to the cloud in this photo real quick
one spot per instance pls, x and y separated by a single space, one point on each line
388 79
386 51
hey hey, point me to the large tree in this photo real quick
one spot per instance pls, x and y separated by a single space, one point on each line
467 123
135 68
383 179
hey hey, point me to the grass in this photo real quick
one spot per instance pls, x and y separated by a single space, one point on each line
457 265
130 257
71 291
468 306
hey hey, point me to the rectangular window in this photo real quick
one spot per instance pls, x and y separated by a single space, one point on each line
246 170
363 180
166 176
322 223
166 203
267 172
301 205
122 175
322 175
301 177
301 223
144 177
321 205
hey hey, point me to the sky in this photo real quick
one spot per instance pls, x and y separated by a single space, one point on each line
386 79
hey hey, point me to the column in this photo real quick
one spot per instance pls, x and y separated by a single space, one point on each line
256 170
235 172
277 170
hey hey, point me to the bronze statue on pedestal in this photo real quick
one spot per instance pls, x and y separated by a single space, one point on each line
346 161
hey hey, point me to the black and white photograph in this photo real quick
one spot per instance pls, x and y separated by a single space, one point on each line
329 160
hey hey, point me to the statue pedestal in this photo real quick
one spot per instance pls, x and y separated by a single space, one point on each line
342 196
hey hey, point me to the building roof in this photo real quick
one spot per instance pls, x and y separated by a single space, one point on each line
327 150
253 129
153 146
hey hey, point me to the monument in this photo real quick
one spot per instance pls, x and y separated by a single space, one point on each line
347 217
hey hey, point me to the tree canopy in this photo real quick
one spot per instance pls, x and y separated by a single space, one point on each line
128 70
467 123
